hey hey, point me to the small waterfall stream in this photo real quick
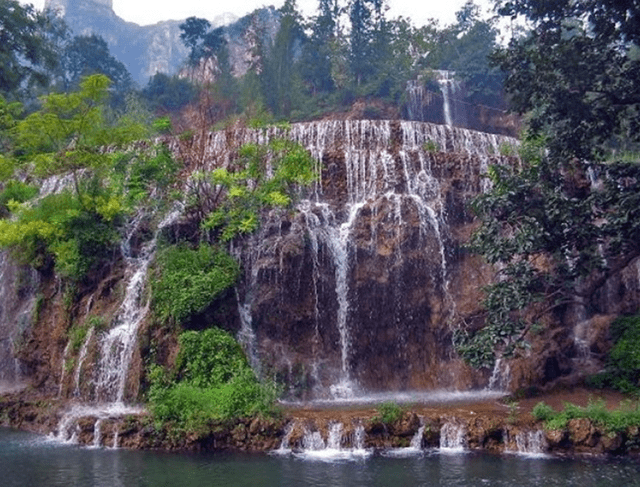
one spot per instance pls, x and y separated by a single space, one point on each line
453 438
529 443
116 345
336 446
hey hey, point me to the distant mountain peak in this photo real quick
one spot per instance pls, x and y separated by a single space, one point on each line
63 7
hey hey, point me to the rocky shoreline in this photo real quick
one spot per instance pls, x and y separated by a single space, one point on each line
492 426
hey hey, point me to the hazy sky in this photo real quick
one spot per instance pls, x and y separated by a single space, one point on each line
145 12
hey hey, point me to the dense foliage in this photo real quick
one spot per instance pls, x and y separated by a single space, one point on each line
211 382
263 176
187 280
388 413
617 420
346 52
565 216
25 54
623 363
76 228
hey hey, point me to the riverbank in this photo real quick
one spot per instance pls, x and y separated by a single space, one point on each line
492 425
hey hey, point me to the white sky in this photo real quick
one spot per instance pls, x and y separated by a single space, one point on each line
146 12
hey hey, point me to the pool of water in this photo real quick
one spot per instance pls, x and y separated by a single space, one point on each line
31 460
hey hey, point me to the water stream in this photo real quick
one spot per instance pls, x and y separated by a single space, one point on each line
116 345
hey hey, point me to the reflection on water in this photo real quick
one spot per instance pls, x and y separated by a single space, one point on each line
34 461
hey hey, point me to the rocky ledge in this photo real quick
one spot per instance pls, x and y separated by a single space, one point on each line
493 426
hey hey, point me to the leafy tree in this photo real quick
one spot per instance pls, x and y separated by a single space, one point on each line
68 133
623 363
247 187
75 229
25 54
566 218
281 67
475 41
575 73
363 30
168 93
204 42
87 55
465 48
318 53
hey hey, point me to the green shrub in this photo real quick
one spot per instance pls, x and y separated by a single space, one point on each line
542 411
77 336
506 149
212 382
147 172
162 125
76 233
250 188
431 146
623 363
620 419
188 280
389 413
209 358
16 191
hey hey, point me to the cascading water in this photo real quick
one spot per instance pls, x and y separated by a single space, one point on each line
314 447
82 356
417 99
383 207
530 443
452 438
116 345
448 88
17 304
500 377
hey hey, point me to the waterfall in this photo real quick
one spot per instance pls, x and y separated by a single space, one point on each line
81 359
417 98
416 441
312 441
315 447
285 447
386 208
18 296
334 439
415 445
63 367
97 433
531 443
453 438
448 87
500 377
117 345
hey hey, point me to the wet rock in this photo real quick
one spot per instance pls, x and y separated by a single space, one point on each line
582 432
556 438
